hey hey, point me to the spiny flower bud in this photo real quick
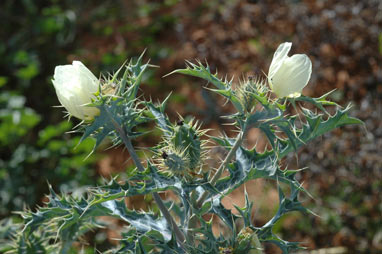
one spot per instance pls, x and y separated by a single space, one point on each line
246 90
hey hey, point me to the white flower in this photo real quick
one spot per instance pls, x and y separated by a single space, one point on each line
75 86
287 76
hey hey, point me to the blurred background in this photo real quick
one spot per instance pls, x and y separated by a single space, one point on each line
238 38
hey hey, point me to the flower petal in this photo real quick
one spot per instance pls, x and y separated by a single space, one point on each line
278 58
88 80
292 76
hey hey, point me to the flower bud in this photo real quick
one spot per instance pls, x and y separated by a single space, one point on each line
287 76
75 86
245 92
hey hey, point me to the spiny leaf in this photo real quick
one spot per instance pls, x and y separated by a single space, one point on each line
258 118
286 204
122 106
224 87
224 214
125 114
143 222
315 126
318 102
69 217
246 211
250 165
231 96
201 71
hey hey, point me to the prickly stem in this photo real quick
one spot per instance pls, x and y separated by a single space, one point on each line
216 176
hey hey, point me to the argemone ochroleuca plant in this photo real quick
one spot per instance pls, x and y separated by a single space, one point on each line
287 76
75 87
180 162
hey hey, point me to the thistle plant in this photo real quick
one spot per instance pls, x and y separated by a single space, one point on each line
110 107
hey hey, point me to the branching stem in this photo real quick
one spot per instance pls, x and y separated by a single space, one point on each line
126 140
215 177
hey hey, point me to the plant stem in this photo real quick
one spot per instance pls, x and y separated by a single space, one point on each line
236 145
126 140
179 234
216 176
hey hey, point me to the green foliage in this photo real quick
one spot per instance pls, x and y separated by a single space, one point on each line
16 120
64 219
33 144
35 37
22 157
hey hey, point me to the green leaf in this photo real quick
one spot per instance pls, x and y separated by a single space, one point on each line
136 71
246 211
257 118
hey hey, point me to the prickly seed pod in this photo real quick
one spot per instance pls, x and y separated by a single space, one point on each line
187 137
182 153
177 163
173 161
